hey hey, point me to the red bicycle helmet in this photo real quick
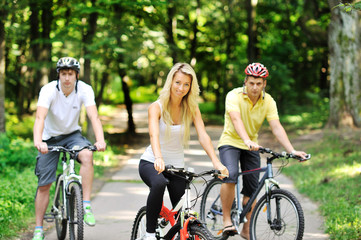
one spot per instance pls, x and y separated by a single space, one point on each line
256 70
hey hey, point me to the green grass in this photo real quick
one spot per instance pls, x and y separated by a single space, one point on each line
332 178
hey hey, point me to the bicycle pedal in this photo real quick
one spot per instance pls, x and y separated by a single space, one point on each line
49 217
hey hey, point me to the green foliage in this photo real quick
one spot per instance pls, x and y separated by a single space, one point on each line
305 117
21 128
209 115
17 192
144 94
16 152
348 7
332 178
132 40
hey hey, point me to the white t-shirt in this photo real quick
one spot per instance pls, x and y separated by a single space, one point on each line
171 147
63 112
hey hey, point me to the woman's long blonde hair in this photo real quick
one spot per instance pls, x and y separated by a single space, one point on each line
189 101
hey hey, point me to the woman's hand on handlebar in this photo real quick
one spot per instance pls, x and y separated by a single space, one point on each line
159 164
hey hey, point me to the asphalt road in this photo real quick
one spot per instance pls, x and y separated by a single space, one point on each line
118 200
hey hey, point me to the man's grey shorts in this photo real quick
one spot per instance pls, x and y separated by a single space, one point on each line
231 157
46 164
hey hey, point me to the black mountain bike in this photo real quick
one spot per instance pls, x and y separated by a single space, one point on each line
277 214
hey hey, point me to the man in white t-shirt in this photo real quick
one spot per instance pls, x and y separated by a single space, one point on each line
56 123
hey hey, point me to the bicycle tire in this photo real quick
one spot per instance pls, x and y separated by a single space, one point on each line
76 216
197 231
60 223
139 225
213 219
289 226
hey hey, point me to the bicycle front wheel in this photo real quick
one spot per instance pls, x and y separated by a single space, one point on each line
139 225
286 220
60 217
76 217
211 209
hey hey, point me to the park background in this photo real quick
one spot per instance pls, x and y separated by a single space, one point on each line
126 48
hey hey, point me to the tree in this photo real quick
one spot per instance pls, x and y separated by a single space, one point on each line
252 50
345 64
88 36
3 15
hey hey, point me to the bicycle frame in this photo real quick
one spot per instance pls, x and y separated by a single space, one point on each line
186 216
168 215
68 177
266 181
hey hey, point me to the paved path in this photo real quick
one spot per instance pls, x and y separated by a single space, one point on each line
117 202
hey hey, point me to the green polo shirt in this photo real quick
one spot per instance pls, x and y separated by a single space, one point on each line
252 116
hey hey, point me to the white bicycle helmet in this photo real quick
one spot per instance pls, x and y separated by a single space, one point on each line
68 63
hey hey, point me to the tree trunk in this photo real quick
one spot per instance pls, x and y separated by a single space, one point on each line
46 46
345 65
170 27
103 82
87 40
34 76
122 74
128 102
3 14
252 33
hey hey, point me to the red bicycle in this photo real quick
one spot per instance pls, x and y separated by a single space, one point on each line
180 223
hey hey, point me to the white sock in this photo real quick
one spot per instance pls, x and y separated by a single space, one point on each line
86 204
147 234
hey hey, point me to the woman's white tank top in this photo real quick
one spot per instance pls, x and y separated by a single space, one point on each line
171 147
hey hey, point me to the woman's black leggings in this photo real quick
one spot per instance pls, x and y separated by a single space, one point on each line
157 183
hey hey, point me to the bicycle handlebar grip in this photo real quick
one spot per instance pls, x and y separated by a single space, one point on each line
308 156
168 167
92 148
264 150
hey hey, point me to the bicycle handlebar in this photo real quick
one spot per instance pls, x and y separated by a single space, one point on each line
172 169
71 150
284 154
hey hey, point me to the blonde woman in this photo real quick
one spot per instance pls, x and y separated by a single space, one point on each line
170 119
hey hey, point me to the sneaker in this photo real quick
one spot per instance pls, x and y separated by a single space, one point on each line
89 218
38 235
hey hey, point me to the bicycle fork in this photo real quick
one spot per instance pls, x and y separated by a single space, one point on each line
269 184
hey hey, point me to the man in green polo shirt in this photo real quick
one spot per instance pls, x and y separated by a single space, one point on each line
246 109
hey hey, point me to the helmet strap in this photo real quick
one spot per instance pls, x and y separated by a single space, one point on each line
264 93
57 84
244 88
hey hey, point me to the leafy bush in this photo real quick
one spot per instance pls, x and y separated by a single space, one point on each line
20 128
16 152
16 200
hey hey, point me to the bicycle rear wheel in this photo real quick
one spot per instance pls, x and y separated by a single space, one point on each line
60 215
287 219
198 232
139 225
211 209
76 217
